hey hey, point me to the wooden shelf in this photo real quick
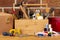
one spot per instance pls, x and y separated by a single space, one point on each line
34 4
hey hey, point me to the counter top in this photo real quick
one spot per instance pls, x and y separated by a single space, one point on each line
29 38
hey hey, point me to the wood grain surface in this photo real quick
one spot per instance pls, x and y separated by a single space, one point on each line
29 38
30 27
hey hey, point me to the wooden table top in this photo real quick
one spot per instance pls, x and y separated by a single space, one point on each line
29 38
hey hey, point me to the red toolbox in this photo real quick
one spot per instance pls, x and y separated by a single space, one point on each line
55 23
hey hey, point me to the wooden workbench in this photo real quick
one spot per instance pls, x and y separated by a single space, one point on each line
29 38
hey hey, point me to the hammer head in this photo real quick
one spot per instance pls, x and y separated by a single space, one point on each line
51 10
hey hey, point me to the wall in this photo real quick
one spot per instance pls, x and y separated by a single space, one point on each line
51 3
4 3
54 3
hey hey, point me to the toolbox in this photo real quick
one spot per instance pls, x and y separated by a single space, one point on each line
6 22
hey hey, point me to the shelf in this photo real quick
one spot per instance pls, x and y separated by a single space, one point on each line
9 7
34 4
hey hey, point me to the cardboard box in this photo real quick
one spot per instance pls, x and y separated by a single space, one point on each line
30 26
6 22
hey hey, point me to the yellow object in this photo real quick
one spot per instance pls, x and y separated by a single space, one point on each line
47 9
18 31
37 15
12 31
15 31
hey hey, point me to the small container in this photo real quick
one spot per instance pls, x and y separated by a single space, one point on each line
40 35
